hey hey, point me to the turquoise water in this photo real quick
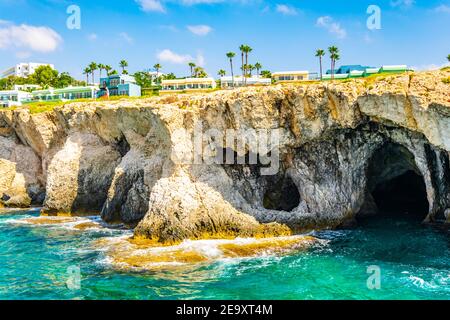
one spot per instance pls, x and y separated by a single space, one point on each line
414 262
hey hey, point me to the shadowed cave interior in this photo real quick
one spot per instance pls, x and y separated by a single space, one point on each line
395 184
281 194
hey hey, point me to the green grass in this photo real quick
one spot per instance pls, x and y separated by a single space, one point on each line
46 106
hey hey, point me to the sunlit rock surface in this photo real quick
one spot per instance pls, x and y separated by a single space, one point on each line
116 158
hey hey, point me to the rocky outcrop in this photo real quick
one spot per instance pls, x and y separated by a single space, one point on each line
341 144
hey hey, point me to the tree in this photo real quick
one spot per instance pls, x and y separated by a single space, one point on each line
93 66
250 69
242 49
87 72
247 50
157 67
320 53
192 66
258 67
44 76
266 74
230 56
143 79
107 68
199 72
64 80
169 76
334 52
221 73
335 57
112 72
101 67
448 58
123 64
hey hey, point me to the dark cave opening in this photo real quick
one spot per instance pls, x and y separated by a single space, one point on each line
395 184
404 194
282 195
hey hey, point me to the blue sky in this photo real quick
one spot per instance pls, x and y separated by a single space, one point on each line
284 34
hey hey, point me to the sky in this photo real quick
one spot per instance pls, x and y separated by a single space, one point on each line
284 34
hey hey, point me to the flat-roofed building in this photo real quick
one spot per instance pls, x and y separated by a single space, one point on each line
26 87
119 85
68 93
290 76
339 76
9 98
370 71
187 85
394 68
23 69
229 82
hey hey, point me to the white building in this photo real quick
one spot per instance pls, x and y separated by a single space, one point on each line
9 98
290 76
227 82
23 69
26 87
187 84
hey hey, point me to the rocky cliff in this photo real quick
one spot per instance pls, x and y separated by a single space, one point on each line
340 145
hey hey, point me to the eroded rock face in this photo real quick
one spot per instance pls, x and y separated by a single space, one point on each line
20 174
117 157
79 175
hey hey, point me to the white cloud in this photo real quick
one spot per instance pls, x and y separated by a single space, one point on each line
159 5
169 56
92 37
200 30
402 3
40 39
286 10
151 5
126 37
442 9
333 27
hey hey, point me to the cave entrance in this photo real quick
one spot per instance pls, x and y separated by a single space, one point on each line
281 195
395 184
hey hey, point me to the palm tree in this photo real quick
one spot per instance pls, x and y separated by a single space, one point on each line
242 49
448 58
258 67
221 73
93 66
335 57
247 50
250 69
199 72
123 64
320 53
231 55
157 67
87 71
334 51
107 68
192 66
